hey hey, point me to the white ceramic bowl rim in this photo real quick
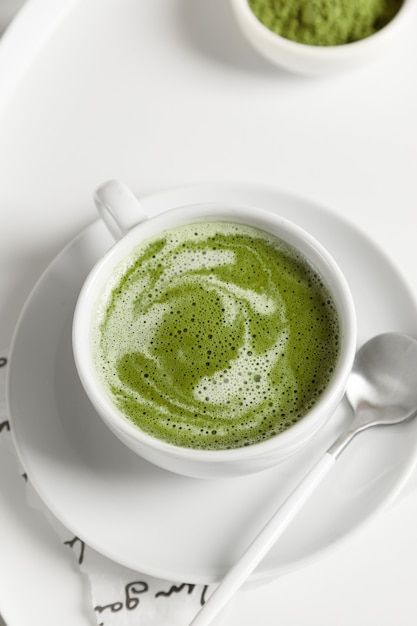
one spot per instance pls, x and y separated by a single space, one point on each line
322 52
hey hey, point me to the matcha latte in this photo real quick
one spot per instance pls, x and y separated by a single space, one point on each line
215 335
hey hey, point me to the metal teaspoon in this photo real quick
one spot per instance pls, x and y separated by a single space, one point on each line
382 390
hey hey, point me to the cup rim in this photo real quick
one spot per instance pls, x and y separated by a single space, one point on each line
215 211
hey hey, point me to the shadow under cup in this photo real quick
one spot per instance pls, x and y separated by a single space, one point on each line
101 282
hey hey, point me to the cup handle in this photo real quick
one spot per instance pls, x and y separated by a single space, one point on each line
118 207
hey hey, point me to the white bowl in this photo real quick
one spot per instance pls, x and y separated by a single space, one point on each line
319 60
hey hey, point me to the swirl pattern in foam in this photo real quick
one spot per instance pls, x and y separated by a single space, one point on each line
215 335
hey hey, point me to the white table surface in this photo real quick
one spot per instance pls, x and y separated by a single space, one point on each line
161 93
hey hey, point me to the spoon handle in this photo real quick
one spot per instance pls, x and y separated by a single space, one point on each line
263 542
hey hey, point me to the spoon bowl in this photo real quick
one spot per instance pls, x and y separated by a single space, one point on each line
383 378
382 387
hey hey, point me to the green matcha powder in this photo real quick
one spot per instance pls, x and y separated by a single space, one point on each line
325 22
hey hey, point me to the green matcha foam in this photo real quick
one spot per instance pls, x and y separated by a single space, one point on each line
215 335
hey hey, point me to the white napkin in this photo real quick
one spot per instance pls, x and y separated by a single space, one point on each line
119 596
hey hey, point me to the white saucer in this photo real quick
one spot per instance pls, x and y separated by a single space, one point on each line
166 525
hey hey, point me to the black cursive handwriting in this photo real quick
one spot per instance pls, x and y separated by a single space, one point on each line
178 589
115 607
134 589
131 601
72 543
4 426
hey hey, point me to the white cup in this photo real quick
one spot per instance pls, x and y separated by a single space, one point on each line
128 223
